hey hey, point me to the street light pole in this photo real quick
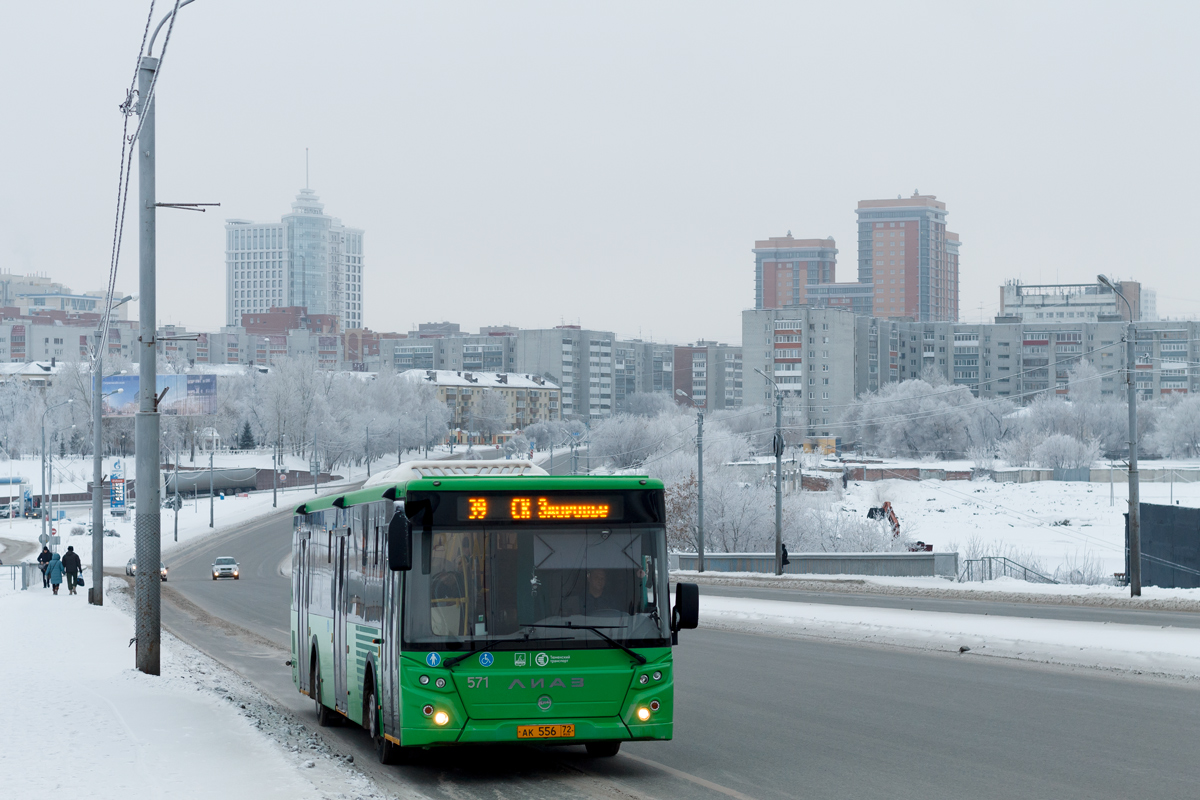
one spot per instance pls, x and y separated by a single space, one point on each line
699 480
45 496
777 445
147 528
96 590
1135 510
211 492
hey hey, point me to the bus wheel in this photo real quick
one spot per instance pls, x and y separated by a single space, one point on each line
324 715
385 750
603 749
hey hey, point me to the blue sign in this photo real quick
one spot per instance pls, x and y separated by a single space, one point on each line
486 659
116 493
433 659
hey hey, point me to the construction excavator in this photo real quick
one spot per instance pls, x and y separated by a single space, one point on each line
886 512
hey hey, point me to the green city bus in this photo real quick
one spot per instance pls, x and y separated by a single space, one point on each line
487 602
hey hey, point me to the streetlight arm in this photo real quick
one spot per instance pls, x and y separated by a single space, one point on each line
164 21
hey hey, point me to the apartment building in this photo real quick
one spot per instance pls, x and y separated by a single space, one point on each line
809 354
1065 302
710 375
530 398
906 253
784 266
578 360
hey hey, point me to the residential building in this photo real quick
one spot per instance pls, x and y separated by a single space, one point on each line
578 360
641 367
784 266
710 375
530 398
1065 302
809 354
857 297
307 259
283 320
906 253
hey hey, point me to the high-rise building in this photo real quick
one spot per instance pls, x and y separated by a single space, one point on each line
307 259
905 251
784 266
578 360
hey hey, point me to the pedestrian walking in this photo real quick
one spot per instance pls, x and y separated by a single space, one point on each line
54 572
785 558
43 561
72 566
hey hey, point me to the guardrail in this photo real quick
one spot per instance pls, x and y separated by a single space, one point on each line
18 575
898 565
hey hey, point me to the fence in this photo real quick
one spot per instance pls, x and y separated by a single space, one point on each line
988 568
903 565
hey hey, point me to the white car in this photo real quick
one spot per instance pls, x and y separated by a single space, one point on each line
226 567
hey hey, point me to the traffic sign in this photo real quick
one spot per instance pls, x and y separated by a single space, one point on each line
43 538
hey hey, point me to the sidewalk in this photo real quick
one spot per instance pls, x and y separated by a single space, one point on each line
81 721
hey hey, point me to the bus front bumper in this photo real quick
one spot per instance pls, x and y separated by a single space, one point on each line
482 731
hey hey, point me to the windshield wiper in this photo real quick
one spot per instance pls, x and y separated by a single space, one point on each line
596 629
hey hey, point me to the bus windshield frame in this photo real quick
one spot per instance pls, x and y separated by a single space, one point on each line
512 586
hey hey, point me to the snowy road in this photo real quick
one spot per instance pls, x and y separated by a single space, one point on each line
766 717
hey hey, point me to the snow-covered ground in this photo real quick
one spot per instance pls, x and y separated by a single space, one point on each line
1141 649
80 721
1058 523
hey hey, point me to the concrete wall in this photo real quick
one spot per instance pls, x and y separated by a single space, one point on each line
880 564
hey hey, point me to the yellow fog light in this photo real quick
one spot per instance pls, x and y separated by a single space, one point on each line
643 713
441 718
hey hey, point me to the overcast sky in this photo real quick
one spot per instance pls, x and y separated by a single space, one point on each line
610 164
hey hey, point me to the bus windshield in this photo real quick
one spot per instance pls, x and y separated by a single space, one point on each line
504 588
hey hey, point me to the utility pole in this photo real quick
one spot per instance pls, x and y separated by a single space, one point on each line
274 473
96 590
211 492
148 546
176 503
316 469
778 442
700 487
1135 509
368 449
777 445
427 434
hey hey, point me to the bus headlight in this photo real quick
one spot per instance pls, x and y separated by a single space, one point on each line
643 714
441 718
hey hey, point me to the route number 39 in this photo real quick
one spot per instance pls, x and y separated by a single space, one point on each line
477 683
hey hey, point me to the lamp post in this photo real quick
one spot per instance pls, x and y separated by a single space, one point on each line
368 445
777 446
699 479
96 590
45 497
1135 512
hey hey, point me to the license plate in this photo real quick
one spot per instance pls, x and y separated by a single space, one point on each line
545 731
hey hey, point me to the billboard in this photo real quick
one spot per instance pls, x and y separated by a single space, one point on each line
187 395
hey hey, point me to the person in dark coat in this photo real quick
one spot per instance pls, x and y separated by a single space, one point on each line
54 571
785 558
43 561
72 566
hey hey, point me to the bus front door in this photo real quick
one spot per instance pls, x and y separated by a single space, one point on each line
339 627
303 637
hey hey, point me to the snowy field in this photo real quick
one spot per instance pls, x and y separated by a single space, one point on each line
80 721
1053 523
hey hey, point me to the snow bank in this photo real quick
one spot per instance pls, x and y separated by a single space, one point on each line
1139 649
80 721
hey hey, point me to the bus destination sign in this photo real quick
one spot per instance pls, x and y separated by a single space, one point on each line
534 508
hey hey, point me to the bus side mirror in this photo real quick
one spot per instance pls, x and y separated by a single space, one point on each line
686 613
399 543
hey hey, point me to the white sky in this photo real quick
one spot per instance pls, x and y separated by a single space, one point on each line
610 163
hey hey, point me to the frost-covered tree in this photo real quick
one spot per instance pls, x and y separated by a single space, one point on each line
491 413
1063 451
1177 432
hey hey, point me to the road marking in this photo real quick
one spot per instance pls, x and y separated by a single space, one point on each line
716 787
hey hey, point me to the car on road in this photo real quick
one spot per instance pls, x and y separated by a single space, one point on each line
226 567
131 568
